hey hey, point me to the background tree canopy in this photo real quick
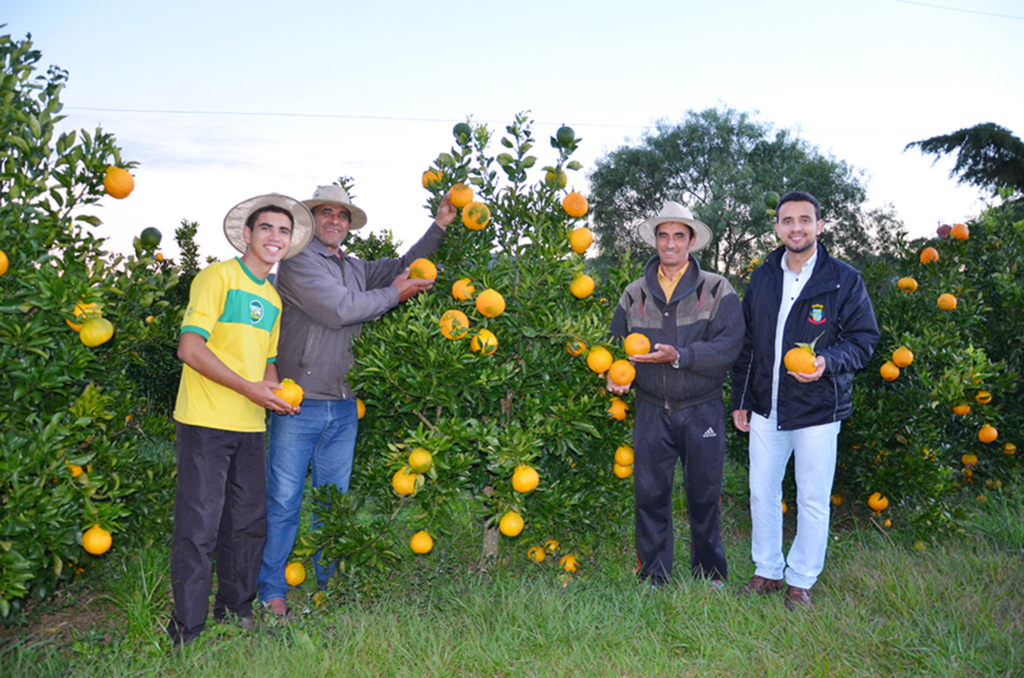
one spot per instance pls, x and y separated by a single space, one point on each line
988 156
719 163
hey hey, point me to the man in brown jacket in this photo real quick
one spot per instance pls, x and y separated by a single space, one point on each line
327 295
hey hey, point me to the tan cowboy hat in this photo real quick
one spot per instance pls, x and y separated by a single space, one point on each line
675 213
302 230
336 195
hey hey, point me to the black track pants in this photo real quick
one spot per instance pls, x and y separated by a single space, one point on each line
697 436
220 506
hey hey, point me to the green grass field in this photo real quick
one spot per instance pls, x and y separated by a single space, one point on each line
882 608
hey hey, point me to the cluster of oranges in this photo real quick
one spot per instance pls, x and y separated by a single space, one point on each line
902 357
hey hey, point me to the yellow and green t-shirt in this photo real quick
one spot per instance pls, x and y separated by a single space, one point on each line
239 315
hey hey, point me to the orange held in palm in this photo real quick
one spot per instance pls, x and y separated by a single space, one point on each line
290 392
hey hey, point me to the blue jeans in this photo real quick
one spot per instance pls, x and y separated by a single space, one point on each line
322 435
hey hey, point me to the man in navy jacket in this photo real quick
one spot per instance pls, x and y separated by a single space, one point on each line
800 295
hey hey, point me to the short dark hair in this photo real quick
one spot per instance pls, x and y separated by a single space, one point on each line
688 227
800 196
251 221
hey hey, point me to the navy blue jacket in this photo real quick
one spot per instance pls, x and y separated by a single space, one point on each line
834 301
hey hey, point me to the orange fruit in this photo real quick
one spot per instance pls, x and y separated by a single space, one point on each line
877 502
461 195
987 433
421 543
621 471
490 304
360 408
484 342
430 177
575 347
159 256
557 180
3 262
947 302
536 554
96 540
96 331
511 524
551 545
902 357
420 460
404 481
463 290
525 479
575 205
969 459
290 392
929 255
636 344
423 269
582 286
118 183
800 360
1009 448
908 285
784 507
960 231
295 574
580 240
83 309
624 455
622 372
75 469
961 409
887 523
454 324
569 562
618 409
476 215
889 371
836 500
599 359
983 397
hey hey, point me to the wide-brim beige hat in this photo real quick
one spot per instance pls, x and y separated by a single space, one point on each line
302 229
675 213
336 195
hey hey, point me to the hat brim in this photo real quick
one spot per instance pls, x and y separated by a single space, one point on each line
701 232
302 229
358 216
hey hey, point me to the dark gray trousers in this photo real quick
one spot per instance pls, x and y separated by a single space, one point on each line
696 435
220 507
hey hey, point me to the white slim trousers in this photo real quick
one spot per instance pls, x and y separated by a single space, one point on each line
815 451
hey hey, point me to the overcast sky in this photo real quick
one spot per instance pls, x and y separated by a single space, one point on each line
219 101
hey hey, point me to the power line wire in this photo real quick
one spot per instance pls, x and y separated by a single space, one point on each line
394 118
957 9
323 115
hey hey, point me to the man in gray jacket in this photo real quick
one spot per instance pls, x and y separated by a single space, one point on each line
327 295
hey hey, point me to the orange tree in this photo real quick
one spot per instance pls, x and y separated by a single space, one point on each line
484 405
917 437
70 421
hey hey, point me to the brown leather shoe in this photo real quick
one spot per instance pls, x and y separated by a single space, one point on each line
761 585
797 599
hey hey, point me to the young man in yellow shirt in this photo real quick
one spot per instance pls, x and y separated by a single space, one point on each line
229 346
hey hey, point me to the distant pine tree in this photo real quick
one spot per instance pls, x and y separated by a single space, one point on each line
988 156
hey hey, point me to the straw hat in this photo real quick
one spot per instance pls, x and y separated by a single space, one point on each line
675 213
336 195
302 230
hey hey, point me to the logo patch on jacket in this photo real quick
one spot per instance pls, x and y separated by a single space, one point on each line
817 314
